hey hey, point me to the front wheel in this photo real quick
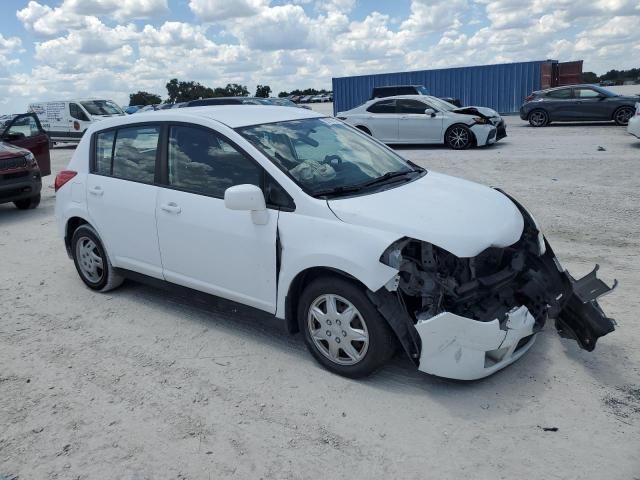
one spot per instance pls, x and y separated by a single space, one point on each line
538 118
92 262
623 115
458 137
342 328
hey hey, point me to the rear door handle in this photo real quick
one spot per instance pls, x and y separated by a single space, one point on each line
171 207
97 191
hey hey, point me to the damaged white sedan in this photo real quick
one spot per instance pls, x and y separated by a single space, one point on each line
308 219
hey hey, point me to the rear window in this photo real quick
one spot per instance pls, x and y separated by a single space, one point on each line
127 153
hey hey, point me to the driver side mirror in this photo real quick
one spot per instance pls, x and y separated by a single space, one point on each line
249 198
431 112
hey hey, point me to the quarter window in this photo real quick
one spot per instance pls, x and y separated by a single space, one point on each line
383 106
202 162
104 151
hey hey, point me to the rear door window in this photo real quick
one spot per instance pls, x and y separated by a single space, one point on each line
127 153
562 93
383 106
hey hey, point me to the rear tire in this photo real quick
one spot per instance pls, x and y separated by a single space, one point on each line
28 203
538 118
342 329
622 116
92 262
458 137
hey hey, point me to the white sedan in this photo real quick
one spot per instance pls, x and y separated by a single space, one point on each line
423 119
305 218
634 123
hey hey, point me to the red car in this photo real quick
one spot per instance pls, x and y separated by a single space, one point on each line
20 179
25 131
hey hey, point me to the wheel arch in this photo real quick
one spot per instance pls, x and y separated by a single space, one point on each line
364 129
71 226
300 281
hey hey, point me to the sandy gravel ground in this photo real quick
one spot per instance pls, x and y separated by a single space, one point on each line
138 384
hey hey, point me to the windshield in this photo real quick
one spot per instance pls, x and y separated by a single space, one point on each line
604 91
323 155
102 107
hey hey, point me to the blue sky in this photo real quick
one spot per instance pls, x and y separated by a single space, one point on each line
54 49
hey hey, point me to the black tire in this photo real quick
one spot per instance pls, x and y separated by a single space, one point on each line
107 279
538 118
364 129
458 137
28 203
622 115
381 340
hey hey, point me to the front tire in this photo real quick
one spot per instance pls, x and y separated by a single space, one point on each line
458 137
538 118
622 115
28 203
92 262
342 328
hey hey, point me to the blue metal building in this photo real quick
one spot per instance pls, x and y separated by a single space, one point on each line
502 87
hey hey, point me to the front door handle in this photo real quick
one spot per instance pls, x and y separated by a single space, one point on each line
97 191
171 207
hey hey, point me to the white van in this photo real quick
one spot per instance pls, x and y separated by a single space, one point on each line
67 120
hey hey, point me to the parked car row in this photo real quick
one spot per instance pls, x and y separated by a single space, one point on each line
323 97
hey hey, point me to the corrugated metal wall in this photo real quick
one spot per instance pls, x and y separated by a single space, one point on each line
502 87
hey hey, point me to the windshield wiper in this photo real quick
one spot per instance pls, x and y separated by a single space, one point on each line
356 188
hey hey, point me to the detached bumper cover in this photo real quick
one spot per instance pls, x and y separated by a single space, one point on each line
465 349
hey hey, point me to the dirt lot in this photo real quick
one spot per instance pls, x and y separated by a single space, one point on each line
138 384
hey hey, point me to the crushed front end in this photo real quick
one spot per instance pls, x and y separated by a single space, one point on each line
466 318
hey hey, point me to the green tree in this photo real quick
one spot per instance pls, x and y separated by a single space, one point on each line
263 91
182 91
589 77
144 98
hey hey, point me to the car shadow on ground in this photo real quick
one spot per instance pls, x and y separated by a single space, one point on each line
400 375
421 146
570 124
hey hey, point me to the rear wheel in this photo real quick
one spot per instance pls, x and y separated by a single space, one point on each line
92 262
342 328
458 137
28 203
623 115
538 118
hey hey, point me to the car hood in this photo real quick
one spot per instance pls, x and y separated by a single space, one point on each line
10 151
481 111
459 216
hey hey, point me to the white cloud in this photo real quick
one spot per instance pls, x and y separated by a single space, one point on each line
118 9
218 10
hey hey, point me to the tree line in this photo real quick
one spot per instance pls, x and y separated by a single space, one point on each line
612 75
183 91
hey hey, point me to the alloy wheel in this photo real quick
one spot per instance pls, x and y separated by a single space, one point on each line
623 115
538 118
458 137
337 329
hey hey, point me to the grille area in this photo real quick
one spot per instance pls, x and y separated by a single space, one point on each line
12 163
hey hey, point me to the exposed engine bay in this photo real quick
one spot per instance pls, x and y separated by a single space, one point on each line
521 283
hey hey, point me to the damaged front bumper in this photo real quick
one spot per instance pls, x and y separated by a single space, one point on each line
468 318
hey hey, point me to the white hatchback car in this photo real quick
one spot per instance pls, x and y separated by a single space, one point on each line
423 119
307 218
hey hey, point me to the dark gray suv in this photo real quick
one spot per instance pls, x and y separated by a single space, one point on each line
577 103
